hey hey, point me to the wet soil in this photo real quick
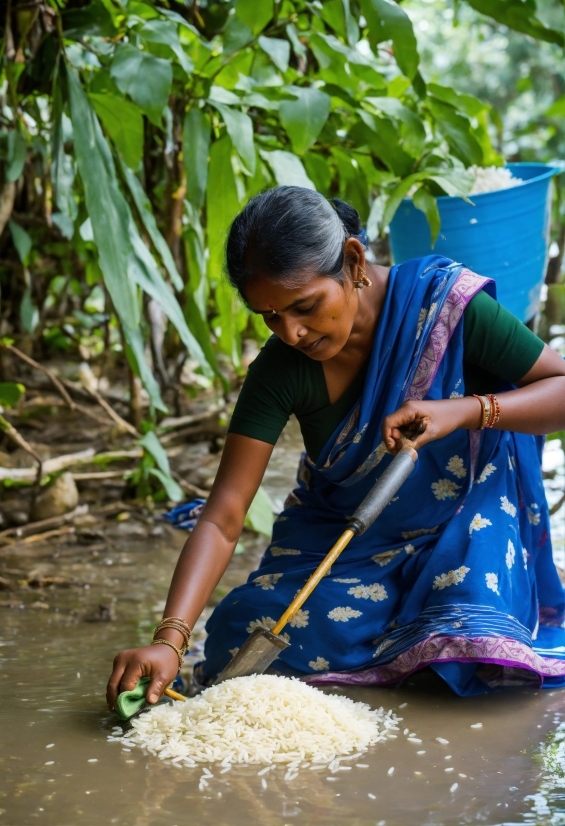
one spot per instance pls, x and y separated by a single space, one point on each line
71 602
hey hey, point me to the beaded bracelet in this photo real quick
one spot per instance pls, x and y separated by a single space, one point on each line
495 409
179 652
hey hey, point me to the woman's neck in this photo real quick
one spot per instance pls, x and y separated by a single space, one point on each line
371 301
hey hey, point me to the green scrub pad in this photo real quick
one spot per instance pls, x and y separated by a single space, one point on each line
129 702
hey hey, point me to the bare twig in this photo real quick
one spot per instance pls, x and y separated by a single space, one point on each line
40 537
32 363
43 524
25 474
99 474
115 416
72 405
175 423
17 437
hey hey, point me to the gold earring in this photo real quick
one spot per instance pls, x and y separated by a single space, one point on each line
364 281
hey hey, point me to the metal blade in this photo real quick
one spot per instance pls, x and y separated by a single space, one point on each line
255 655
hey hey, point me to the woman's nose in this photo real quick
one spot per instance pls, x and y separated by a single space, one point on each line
292 331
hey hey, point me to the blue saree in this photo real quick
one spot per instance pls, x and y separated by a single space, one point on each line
456 574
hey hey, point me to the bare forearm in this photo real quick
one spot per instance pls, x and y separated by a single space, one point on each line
201 564
538 408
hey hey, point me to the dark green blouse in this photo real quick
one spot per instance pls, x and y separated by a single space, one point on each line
282 380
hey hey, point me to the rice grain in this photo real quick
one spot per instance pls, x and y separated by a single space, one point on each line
262 719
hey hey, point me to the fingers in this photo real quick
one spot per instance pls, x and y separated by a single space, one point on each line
156 687
405 418
112 689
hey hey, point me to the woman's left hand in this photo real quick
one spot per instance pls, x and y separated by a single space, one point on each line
431 420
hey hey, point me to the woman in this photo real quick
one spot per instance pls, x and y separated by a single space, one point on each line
457 573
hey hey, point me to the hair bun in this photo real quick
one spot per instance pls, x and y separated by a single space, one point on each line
348 216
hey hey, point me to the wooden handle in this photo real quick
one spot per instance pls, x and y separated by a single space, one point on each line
318 574
174 695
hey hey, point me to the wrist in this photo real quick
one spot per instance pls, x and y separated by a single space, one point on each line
172 635
470 413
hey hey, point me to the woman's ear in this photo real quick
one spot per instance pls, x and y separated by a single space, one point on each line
354 259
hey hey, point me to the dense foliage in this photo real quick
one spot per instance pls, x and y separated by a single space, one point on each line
132 134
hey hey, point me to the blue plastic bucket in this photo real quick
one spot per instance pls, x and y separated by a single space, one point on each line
505 235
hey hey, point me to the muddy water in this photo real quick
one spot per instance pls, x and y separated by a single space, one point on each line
57 768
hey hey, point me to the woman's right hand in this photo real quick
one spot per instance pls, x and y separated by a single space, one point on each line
159 662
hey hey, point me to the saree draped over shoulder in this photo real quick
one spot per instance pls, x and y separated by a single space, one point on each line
457 572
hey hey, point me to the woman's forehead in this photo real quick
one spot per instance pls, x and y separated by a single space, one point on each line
263 292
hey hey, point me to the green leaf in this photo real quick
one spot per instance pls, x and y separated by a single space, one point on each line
426 203
22 241
260 514
520 16
123 122
467 104
17 149
173 490
195 149
143 205
240 130
457 130
10 393
304 118
107 208
412 129
29 315
143 271
135 353
145 78
255 15
278 50
236 36
165 32
153 446
222 207
333 12
398 193
319 170
93 20
557 108
287 169
388 21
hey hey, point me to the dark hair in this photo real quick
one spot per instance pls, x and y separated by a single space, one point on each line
287 230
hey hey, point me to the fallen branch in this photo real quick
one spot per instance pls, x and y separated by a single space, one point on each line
25 474
175 423
43 524
40 537
35 364
99 474
190 489
59 384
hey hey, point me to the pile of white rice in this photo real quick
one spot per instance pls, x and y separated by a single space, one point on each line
261 719
491 178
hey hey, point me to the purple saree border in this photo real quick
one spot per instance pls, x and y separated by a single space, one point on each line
502 651
466 286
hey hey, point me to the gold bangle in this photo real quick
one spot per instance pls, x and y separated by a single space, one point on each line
179 621
176 627
482 401
179 653
495 410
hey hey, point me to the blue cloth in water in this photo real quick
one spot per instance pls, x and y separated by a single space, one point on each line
456 574
185 516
